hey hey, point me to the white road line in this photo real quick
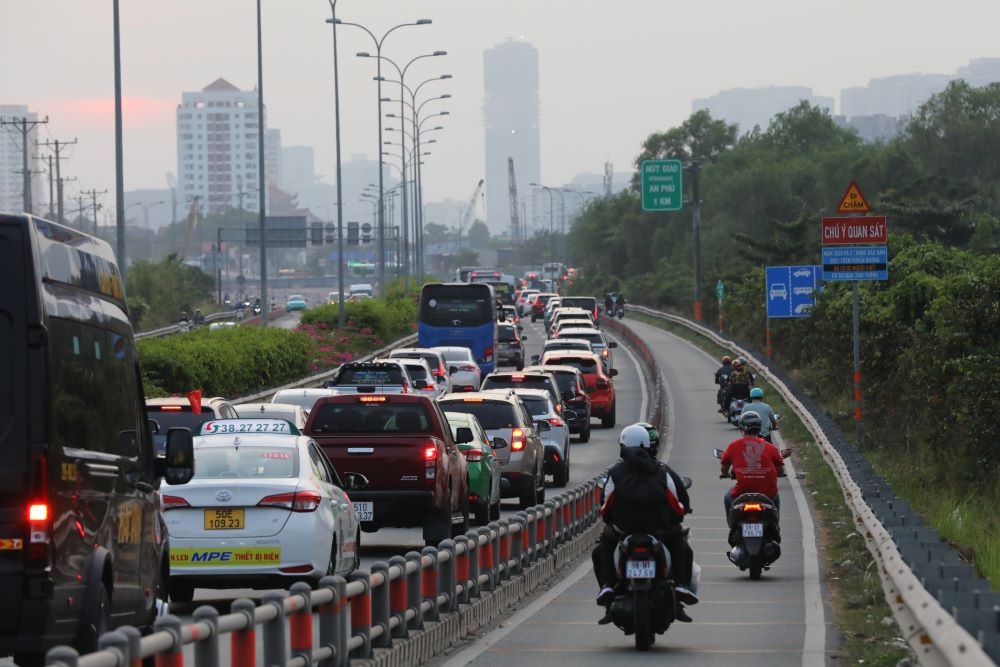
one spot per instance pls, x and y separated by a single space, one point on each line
644 405
814 641
486 643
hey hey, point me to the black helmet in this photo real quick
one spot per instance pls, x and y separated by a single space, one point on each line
750 422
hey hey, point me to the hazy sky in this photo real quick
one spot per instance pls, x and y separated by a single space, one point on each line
611 72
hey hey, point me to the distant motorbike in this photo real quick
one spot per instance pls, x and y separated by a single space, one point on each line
620 312
185 326
721 394
256 309
734 410
753 530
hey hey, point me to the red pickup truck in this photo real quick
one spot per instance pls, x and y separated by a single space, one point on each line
402 444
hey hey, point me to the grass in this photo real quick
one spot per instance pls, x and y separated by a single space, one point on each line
849 572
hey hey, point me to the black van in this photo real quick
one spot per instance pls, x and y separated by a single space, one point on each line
83 547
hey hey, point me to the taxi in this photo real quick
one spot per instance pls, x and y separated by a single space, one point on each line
265 508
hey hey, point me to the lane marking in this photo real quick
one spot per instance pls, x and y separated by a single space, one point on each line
814 641
644 405
486 643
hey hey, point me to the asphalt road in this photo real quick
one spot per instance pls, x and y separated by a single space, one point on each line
779 620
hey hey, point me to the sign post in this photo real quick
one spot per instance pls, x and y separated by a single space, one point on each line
854 248
720 291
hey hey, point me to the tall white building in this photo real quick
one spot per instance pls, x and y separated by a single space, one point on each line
217 148
273 164
11 165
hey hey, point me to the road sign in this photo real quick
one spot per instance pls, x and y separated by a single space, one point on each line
859 230
791 290
662 185
853 201
283 231
856 263
720 290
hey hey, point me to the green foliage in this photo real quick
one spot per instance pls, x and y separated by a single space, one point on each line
229 362
478 235
387 318
161 290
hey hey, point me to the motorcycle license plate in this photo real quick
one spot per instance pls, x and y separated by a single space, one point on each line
753 530
640 569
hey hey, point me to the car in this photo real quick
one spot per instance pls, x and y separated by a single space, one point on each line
599 343
510 314
502 415
462 368
422 379
482 465
803 291
295 302
803 308
778 291
574 394
265 508
563 344
572 324
802 273
524 301
333 297
403 445
435 361
179 412
294 414
538 379
538 305
304 397
510 346
556 438
384 376
599 382
361 290
587 303
549 311
567 313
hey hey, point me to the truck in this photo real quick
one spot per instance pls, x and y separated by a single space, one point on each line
403 445
371 377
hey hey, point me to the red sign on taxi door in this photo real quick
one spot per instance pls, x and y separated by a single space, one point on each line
862 230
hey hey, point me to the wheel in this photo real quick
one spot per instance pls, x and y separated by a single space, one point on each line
585 433
91 632
520 365
609 421
357 552
463 527
482 512
529 493
643 632
755 571
181 591
495 511
540 491
560 477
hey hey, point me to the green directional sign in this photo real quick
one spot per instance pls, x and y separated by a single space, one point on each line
720 290
662 188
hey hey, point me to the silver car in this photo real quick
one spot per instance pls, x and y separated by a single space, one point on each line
463 368
423 380
556 439
599 343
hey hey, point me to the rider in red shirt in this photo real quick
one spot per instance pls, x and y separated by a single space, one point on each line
754 462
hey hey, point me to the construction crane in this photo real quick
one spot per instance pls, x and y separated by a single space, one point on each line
192 222
469 212
515 217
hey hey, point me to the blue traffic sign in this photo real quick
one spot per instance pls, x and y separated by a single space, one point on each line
856 262
791 290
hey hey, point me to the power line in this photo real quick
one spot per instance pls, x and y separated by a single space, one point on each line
25 127
57 148
94 194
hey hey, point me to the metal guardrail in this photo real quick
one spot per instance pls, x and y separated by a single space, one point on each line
173 328
920 574
365 611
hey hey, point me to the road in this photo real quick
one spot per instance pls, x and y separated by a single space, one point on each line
779 620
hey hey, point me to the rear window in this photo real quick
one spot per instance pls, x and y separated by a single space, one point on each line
508 382
371 417
536 406
566 381
458 355
183 418
506 334
245 461
416 372
585 302
368 375
491 414
594 338
432 359
583 363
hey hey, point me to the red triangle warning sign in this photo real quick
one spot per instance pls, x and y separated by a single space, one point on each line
853 201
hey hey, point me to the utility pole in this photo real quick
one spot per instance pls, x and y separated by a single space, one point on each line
57 148
25 127
80 208
695 169
47 159
94 194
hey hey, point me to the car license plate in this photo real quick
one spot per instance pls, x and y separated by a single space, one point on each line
753 530
640 569
224 519
365 511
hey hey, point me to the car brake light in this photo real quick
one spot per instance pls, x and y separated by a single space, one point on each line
171 408
488 355
372 399
518 440
439 372
604 353
38 512
174 502
430 453
300 501
517 377
752 507
472 400
555 421
473 455
471 369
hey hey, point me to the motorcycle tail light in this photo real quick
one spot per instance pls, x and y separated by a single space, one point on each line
752 507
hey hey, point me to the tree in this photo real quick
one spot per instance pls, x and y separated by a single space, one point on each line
700 137
478 235
168 287
436 233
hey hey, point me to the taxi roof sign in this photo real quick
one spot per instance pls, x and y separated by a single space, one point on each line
853 201
248 427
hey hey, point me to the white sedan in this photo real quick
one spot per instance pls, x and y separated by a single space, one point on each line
463 368
265 508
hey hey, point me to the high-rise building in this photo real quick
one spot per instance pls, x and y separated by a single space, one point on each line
298 168
748 107
898 95
273 164
11 162
217 147
511 112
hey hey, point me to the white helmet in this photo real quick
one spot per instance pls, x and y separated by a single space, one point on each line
634 437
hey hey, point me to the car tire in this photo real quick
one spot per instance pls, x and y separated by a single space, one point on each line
457 529
529 492
585 433
482 512
331 567
495 511
520 365
609 420
437 527
91 632
181 591
560 476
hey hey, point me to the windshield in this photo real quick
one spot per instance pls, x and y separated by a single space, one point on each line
521 382
491 415
458 355
245 461
506 334
416 372
370 375
456 305
565 380
371 417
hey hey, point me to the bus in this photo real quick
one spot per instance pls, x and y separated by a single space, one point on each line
460 315
462 272
85 543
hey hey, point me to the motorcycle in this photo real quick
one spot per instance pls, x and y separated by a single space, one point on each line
645 603
753 529
734 410
720 395
256 309
620 312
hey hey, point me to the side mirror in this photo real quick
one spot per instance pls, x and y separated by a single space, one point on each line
463 435
500 443
717 453
154 426
569 395
354 481
542 426
687 482
534 359
520 328
612 345
524 338
177 467
452 370
569 415
613 372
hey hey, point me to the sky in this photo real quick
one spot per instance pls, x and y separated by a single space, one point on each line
611 72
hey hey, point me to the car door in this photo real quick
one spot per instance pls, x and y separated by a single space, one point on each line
347 523
331 507
494 461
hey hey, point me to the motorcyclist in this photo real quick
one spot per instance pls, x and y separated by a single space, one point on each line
754 462
768 420
738 385
722 378
184 318
620 301
199 319
609 303
643 494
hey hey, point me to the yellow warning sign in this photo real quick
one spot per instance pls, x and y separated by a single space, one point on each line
853 201
10 545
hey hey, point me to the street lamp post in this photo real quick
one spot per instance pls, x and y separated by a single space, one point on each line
262 200
548 190
119 159
341 309
381 213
